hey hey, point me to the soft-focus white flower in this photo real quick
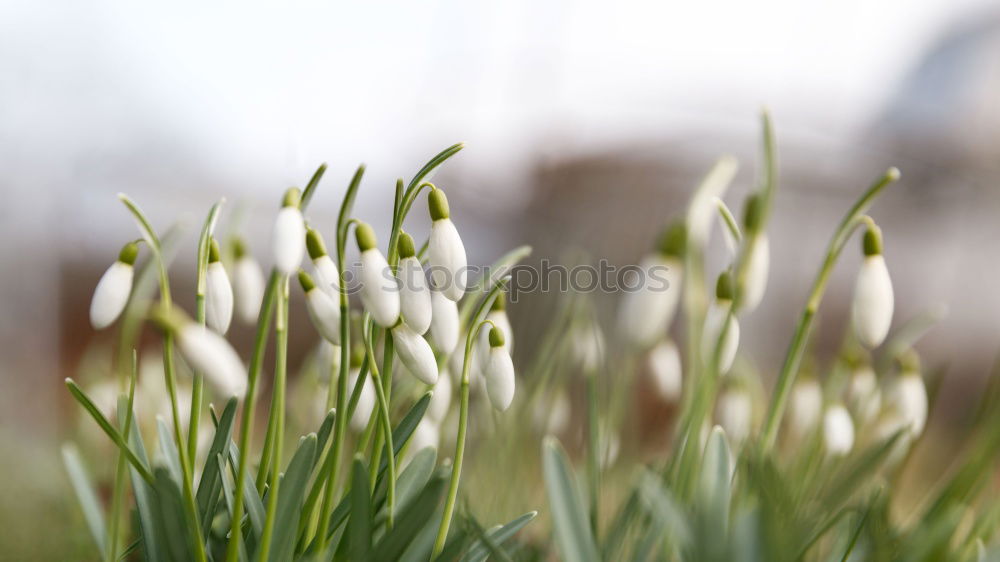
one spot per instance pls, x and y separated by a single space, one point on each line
327 360
248 284
907 399
415 353
219 293
587 346
718 315
114 288
426 434
863 395
445 251
552 418
648 309
288 237
838 430
414 296
804 407
327 275
323 310
379 287
873 296
366 400
499 372
757 270
444 322
734 412
441 398
610 446
664 363
209 353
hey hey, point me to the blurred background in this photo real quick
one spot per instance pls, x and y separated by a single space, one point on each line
587 126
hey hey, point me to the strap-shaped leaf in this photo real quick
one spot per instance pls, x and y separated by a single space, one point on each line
412 520
479 551
359 526
145 496
87 497
411 481
291 492
210 485
168 450
714 485
227 493
569 516
171 517
254 505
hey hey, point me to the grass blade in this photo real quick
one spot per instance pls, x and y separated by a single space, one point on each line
86 495
210 485
292 491
569 516
359 526
479 552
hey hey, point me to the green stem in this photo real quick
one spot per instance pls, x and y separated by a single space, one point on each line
120 481
278 401
796 349
593 454
198 388
383 407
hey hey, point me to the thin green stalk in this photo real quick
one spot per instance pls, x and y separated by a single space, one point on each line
278 400
198 388
593 455
383 408
796 349
120 480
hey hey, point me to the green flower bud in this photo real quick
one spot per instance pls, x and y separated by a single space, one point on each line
365 236
292 198
673 240
724 287
315 244
872 243
213 251
437 201
239 248
170 319
405 245
496 337
128 253
306 281
499 303
753 214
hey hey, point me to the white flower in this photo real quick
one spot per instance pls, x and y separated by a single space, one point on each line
327 361
248 285
552 418
327 275
415 353
441 399
366 400
907 399
426 434
734 412
648 309
838 430
665 369
112 292
863 395
873 298
498 317
288 238
757 270
414 296
499 372
209 353
718 315
446 253
219 294
444 322
804 407
379 287
323 310
588 347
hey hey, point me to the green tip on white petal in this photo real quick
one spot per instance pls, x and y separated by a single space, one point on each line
213 251
872 243
357 355
405 245
909 361
292 198
437 202
753 213
365 235
170 319
673 240
315 244
499 303
307 282
239 247
128 253
724 287
496 337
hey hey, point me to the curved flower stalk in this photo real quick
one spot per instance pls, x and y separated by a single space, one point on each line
206 351
805 407
647 310
288 238
446 252
219 297
665 370
719 314
327 275
838 430
414 295
499 372
444 330
873 298
114 288
497 316
415 353
379 287
248 283
323 311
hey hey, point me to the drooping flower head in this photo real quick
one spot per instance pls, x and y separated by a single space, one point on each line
715 322
414 294
648 309
415 353
288 238
379 287
838 430
805 406
758 254
206 351
446 252
114 288
323 310
664 365
873 296
219 296
499 372
248 283
444 322
327 276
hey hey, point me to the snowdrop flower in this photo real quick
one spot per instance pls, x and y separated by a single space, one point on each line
873 299
366 400
715 320
498 317
379 288
206 352
588 347
907 397
112 292
449 267
648 309
805 406
838 430
734 412
664 364
327 275
499 372
415 353
219 296
327 360
863 395
414 295
441 399
444 322
288 238
758 254
248 284
552 418
323 310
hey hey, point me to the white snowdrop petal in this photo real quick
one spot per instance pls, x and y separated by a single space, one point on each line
414 297
714 321
444 322
499 374
863 395
447 259
248 288
415 353
838 430
734 412
111 295
379 288
325 314
327 276
588 348
665 369
552 418
651 301
426 434
873 302
805 407
757 271
441 399
366 401
218 298
908 399
209 353
288 240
